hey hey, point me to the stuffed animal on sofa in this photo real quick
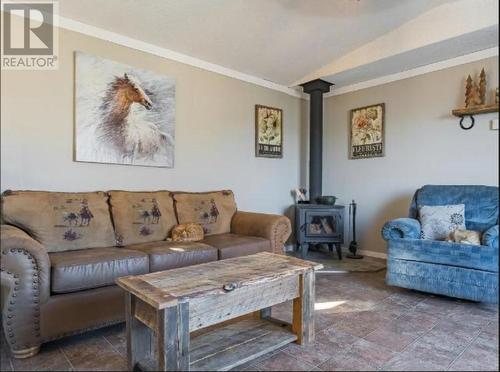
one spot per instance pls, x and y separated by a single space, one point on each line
187 232
465 237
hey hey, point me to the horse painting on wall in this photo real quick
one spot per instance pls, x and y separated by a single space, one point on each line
124 115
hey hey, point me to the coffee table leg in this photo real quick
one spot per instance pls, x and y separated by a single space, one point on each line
172 341
303 310
139 336
303 250
265 313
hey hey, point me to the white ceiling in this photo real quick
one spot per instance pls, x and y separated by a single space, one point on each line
283 41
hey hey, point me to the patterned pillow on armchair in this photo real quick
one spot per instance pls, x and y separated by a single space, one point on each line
438 221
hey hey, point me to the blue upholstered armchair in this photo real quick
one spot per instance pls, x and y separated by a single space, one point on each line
457 270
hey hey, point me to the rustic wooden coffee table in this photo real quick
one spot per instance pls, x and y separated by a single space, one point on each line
163 308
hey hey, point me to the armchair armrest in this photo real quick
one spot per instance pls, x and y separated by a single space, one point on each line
25 284
401 228
269 226
490 237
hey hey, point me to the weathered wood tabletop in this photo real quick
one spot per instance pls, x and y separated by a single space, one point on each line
164 307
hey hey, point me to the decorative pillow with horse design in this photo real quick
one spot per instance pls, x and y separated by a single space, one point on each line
142 217
61 221
212 210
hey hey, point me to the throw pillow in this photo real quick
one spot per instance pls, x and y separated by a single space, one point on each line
438 221
142 217
61 221
212 210
187 232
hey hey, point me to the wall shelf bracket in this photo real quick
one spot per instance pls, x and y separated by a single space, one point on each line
472 122
471 111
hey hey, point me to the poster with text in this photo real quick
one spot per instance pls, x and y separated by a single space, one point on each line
268 132
367 132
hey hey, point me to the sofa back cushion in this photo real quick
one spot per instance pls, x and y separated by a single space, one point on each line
481 202
61 221
212 210
142 217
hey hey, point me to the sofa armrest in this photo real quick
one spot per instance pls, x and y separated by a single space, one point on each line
269 226
490 237
25 284
401 228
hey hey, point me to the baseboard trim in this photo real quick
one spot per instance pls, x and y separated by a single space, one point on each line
291 248
373 254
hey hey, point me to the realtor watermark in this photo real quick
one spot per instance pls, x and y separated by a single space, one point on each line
30 39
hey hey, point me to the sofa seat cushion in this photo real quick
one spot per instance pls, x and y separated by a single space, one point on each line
165 255
478 257
73 271
234 245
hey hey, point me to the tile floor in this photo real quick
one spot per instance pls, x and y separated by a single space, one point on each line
361 324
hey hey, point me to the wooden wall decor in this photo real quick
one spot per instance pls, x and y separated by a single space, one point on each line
475 101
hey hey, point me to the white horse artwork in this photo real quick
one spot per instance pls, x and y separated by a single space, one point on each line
124 115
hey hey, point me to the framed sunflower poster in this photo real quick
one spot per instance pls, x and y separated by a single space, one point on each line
268 132
367 132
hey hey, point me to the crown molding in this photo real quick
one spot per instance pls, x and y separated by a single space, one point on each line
100 33
452 62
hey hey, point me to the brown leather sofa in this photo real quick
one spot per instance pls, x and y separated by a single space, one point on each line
52 288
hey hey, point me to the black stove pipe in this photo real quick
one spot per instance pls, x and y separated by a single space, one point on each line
316 89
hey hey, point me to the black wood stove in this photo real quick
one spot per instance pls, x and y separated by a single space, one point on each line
317 223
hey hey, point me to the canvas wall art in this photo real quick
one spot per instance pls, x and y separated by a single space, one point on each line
124 115
367 132
268 132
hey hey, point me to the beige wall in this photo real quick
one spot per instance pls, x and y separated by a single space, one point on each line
424 145
215 138
214 133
